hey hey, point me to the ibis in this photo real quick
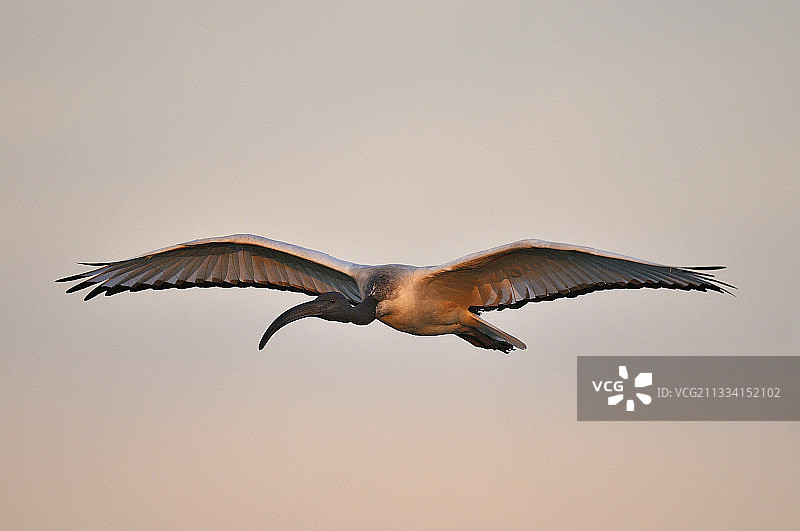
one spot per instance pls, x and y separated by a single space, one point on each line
424 301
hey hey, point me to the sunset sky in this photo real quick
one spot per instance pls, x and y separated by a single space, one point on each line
388 133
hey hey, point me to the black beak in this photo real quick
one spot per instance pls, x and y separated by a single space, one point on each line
307 309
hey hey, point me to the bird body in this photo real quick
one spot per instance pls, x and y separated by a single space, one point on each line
425 301
399 290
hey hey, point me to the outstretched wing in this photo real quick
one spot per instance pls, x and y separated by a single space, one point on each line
534 270
240 260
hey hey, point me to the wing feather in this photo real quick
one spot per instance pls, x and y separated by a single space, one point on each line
220 271
170 273
238 260
205 272
560 271
549 284
534 270
127 276
189 268
246 268
262 273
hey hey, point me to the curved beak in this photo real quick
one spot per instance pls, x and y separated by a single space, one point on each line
307 309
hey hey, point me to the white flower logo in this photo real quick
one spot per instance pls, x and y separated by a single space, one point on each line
643 379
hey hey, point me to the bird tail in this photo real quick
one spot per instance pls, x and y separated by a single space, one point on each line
473 321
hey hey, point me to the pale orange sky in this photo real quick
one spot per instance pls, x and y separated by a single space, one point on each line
403 133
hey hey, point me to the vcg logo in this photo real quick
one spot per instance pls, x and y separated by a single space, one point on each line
643 379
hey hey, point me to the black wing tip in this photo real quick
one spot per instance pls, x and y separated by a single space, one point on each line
85 274
723 290
704 268
95 292
708 279
71 278
77 287
718 289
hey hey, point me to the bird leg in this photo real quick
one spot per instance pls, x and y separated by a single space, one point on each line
484 341
486 334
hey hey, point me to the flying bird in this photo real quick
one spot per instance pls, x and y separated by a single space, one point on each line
424 301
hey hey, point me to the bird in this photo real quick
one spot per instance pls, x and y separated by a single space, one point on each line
423 301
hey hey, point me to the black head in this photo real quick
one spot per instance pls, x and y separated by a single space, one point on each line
331 306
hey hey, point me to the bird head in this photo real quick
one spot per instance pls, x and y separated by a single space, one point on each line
332 306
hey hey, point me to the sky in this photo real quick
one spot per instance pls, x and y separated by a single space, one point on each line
388 133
